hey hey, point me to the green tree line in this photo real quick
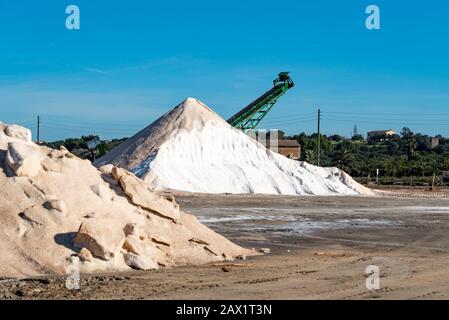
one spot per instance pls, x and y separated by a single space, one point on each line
408 154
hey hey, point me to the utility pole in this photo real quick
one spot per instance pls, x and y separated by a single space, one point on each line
318 156
38 128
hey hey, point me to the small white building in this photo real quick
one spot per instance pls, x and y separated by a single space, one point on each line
380 135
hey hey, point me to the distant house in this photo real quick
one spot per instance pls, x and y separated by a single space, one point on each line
289 148
381 135
435 142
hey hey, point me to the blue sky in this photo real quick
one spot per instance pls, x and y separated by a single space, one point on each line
131 61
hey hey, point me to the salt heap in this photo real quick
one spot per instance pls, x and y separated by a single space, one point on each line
191 148
59 213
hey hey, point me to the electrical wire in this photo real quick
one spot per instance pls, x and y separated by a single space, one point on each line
124 128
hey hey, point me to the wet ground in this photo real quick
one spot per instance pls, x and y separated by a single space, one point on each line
320 249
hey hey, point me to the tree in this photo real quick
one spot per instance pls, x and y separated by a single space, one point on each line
357 137
406 133
336 138
408 142
344 156
445 162
311 156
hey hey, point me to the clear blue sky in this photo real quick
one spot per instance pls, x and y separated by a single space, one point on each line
134 60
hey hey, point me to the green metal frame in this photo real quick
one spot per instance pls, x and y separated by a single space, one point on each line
249 117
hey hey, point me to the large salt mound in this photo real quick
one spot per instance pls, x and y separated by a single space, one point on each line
191 148
59 213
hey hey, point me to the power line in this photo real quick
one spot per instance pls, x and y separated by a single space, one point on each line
289 121
75 124
92 131
405 122
93 125
354 118
394 114
299 115
91 121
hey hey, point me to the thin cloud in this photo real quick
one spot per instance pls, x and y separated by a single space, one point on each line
95 70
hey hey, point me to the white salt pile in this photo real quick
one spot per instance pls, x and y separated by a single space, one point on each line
59 213
191 148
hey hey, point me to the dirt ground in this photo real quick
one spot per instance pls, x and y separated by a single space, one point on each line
320 249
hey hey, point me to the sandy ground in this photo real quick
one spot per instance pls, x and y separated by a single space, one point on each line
320 248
